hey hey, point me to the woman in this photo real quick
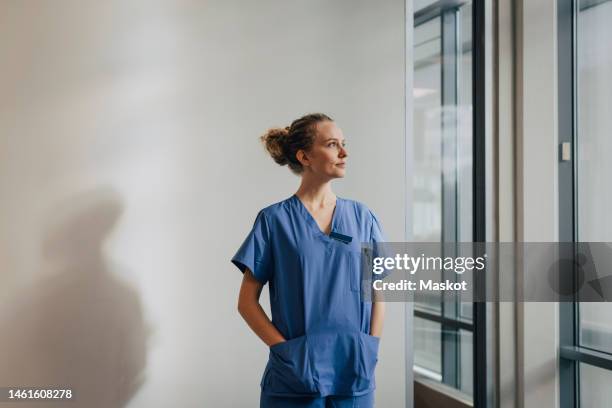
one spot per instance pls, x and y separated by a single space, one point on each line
323 336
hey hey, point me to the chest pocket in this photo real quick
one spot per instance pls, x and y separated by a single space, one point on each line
355 267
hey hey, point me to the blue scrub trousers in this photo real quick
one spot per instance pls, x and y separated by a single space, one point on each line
362 401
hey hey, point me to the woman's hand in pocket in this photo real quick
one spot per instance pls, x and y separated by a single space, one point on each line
276 343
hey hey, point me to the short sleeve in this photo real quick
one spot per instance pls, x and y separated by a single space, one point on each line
255 251
378 243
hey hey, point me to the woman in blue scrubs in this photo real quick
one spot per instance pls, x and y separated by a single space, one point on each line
323 337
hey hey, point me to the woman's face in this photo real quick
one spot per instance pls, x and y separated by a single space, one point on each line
327 155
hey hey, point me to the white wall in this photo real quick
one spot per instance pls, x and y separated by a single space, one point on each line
130 172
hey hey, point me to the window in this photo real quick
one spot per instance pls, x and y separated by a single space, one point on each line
585 91
444 196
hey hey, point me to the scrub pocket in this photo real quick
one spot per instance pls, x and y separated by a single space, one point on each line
370 346
343 363
288 371
354 270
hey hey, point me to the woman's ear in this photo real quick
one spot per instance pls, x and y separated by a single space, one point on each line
302 158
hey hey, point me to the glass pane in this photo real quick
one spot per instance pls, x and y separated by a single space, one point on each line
428 348
595 390
465 196
466 362
427 203
427 129
464 127
428 354
466 310
594 145
596 326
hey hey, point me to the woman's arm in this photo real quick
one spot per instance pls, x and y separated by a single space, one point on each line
252 312
378 315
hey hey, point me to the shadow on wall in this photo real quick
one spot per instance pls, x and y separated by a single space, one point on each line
78 327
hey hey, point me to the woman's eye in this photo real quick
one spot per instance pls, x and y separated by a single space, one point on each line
331 144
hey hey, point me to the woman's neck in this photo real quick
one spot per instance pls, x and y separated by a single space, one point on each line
317 195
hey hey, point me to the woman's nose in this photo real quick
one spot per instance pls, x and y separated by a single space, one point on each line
342 153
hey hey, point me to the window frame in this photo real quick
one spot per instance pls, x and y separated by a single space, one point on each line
571 354
447 11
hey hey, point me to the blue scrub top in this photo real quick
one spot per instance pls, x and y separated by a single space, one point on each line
315 298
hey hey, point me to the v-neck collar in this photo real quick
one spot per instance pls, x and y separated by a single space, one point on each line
313 223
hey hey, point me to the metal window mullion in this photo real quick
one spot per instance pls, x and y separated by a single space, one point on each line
483 390
587 356
568 311
454 323
568 369
408 171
